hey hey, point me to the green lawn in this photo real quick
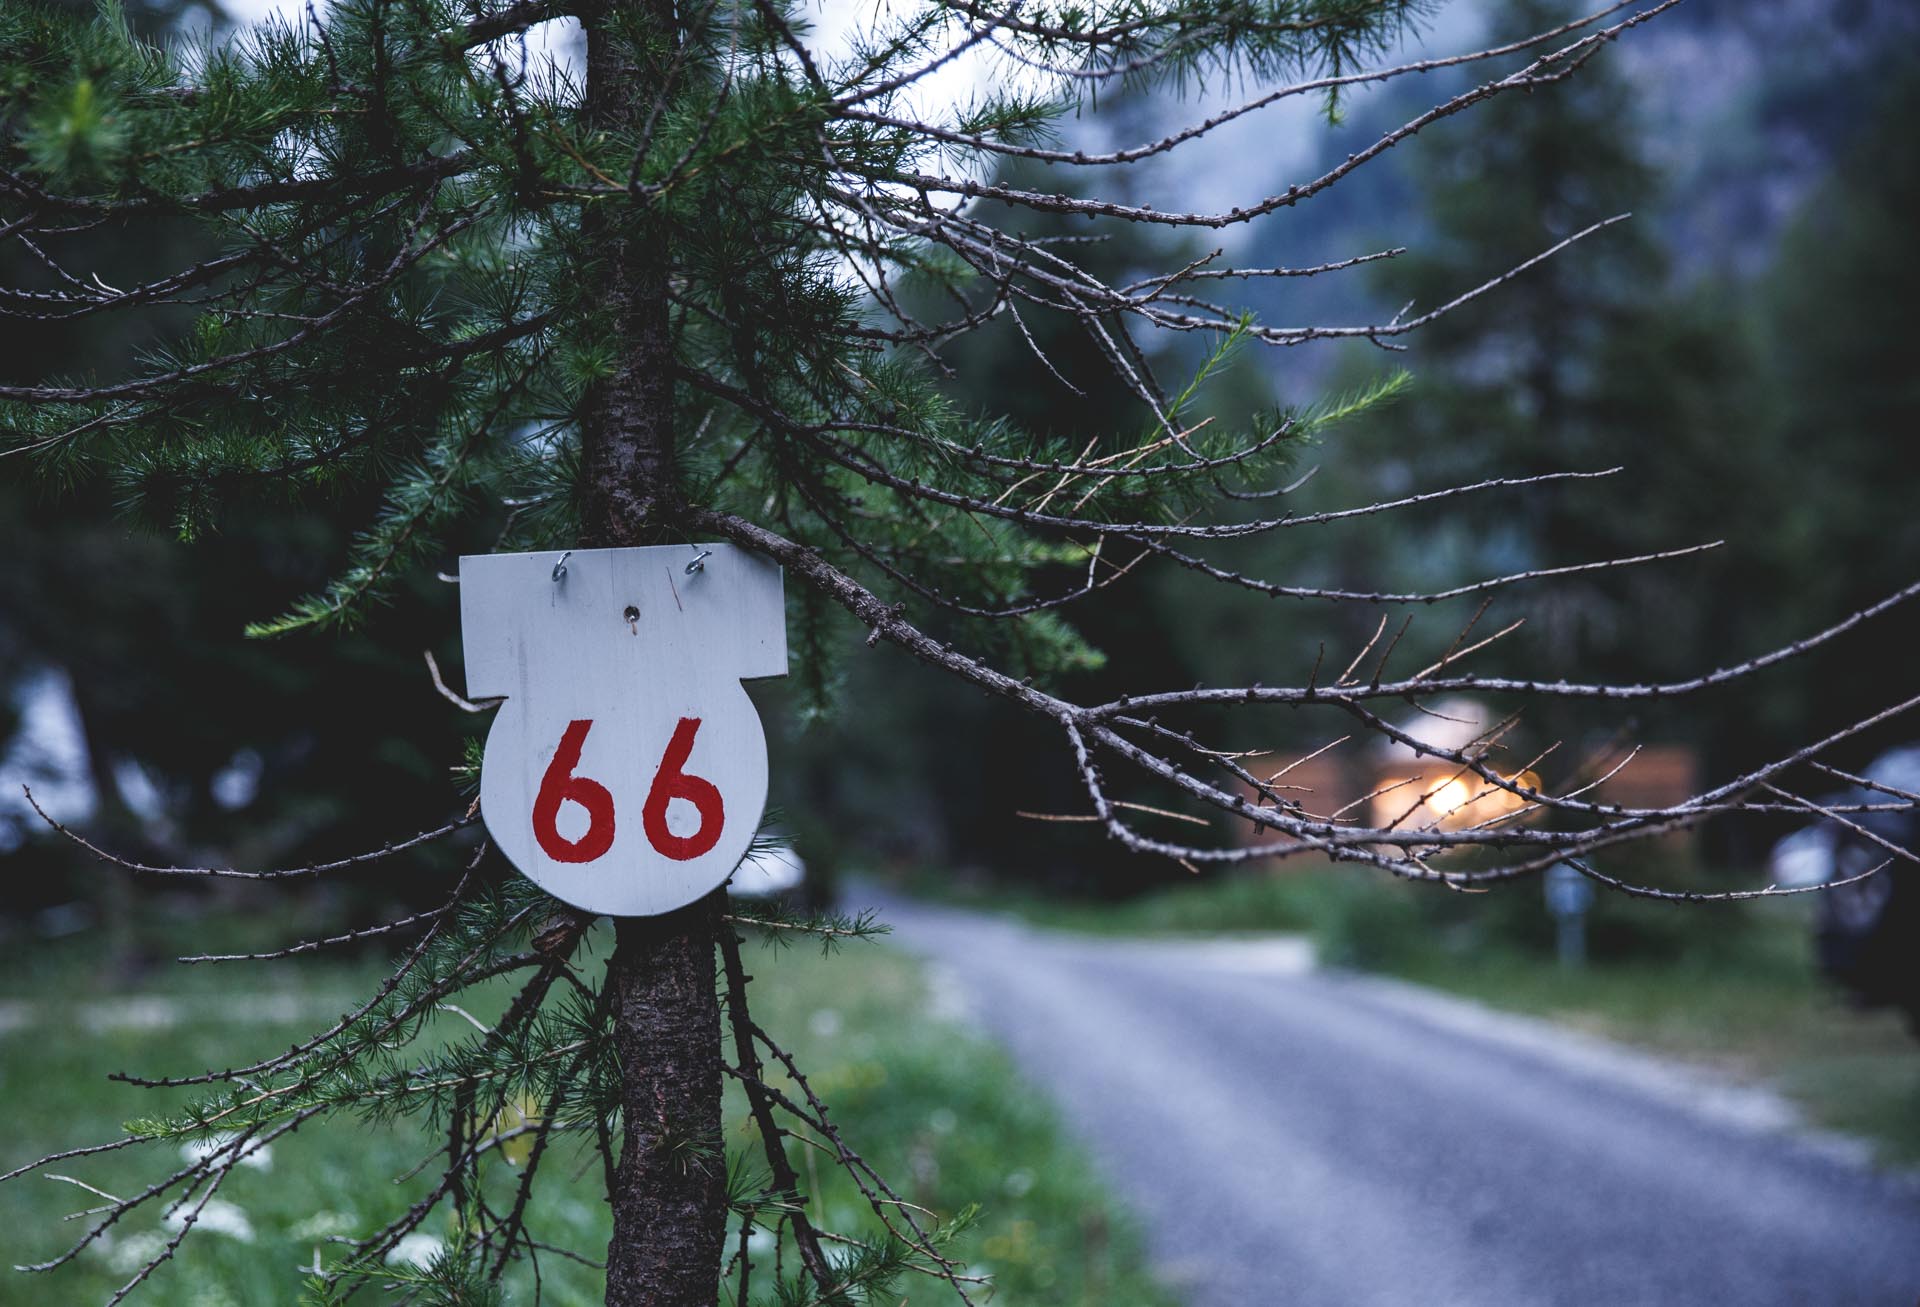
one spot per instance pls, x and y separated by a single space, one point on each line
1730 985
939 1111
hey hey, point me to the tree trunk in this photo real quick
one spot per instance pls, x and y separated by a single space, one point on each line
669 1199
669 1189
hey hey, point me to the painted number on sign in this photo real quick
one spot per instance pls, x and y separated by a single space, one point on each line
626 770
670 782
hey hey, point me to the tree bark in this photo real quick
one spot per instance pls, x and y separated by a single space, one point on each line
669 1199
669 1189
629 490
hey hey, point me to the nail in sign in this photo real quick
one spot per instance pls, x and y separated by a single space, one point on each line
626 772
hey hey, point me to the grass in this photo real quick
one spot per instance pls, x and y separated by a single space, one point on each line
939 1111
1856 1072
1733 986
945 1116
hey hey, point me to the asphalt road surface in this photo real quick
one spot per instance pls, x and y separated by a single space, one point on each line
1292 1136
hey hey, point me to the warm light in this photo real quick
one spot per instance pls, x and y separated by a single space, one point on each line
1452 801
1450 798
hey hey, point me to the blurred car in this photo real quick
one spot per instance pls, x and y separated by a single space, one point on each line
770 872
1868 932
776 872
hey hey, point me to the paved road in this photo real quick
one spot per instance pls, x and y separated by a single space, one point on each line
1288 1136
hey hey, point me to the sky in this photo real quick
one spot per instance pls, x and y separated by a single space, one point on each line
1237 164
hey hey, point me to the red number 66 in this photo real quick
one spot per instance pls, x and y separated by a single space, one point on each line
670 782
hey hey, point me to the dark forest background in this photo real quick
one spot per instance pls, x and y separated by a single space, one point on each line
1742 346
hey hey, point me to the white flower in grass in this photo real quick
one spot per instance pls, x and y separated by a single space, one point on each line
128 1254
417 1249
257 1155
323 1225
218 1216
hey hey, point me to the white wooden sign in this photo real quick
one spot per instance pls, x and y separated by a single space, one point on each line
627 771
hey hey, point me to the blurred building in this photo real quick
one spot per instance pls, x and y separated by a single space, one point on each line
1391 785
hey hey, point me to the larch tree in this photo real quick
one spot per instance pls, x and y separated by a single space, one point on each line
699 291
